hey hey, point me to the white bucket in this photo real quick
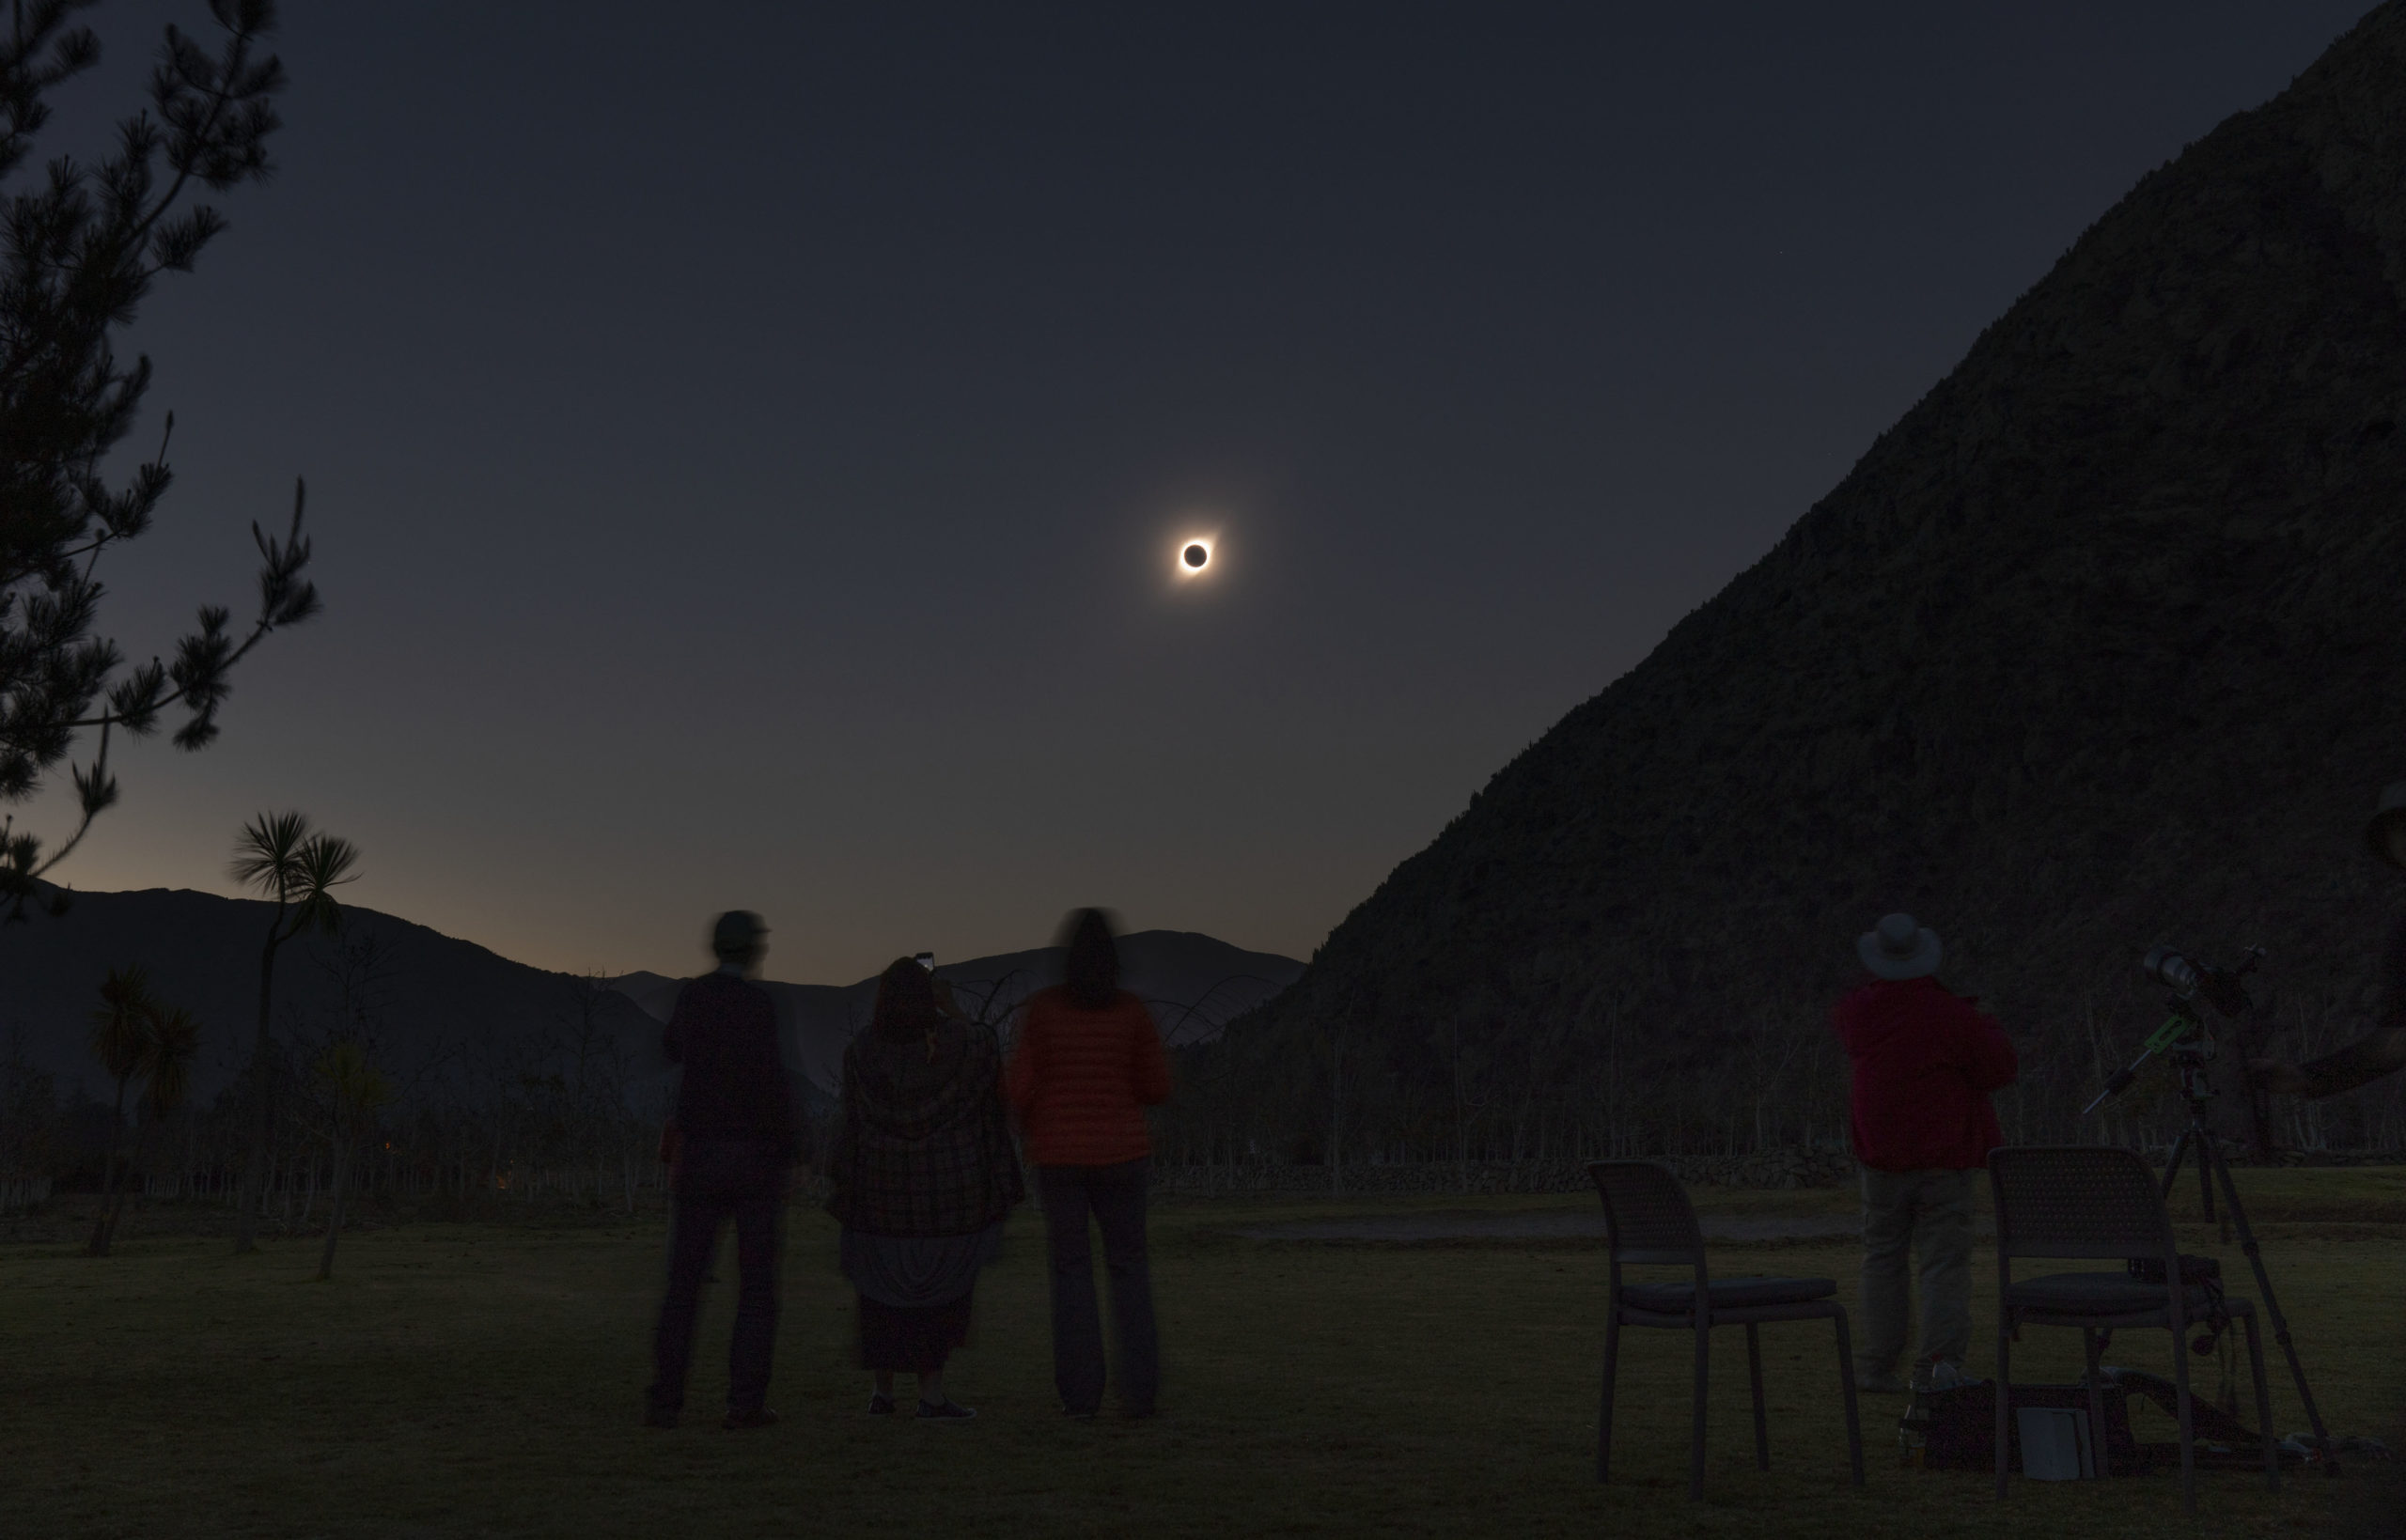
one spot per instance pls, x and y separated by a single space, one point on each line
2054 1443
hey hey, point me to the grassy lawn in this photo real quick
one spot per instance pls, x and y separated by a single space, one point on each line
483 1380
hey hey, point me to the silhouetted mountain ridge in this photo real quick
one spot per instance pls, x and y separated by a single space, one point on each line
429 999
1194 983
420 994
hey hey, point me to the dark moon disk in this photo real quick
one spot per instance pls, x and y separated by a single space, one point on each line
1197 555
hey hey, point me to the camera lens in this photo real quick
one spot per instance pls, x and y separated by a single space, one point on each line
2173 970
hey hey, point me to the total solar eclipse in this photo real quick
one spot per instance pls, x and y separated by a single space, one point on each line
1195 555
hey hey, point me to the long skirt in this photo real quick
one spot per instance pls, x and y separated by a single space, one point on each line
912 1341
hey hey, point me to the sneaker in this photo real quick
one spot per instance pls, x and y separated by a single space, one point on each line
1941 1374
1880 1384
1082 1414
756 1417
950 1410
880 1405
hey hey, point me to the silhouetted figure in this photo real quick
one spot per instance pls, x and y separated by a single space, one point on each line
1088 1063
2382 1050
923 1174
735 1139
1924 1062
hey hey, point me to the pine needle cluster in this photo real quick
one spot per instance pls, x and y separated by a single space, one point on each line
79 245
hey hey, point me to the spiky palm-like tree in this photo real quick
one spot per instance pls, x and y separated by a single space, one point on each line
279 856
166 1080
357 1090
122 1040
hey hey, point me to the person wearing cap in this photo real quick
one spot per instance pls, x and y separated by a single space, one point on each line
736 1138
2382 1050
1924 1062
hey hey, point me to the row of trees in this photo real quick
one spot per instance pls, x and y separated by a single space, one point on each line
554 1114
356 1101
137 1038
1598 1085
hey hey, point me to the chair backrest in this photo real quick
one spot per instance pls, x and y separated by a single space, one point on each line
1647 1217
2077 1199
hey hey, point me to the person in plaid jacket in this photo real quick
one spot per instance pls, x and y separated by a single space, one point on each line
922 1175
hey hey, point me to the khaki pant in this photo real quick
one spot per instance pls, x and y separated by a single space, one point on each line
1929 1213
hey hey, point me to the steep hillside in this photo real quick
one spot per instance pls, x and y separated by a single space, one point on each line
2102 644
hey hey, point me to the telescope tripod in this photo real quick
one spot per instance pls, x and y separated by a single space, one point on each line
2212 1169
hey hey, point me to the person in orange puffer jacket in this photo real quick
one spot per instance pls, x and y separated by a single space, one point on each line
1087 1062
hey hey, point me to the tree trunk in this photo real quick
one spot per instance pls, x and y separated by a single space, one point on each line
246 1213
102 1222
116 1214
1336 1116
334 1207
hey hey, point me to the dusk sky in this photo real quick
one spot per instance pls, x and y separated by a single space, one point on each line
747 443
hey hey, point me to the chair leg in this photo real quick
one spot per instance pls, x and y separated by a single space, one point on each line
1604 1415
1695 1442
2263 1405
1846 1387
2188 1421
1755 1379
2004 1395
2094 1351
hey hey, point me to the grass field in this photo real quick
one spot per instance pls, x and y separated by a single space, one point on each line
486 1380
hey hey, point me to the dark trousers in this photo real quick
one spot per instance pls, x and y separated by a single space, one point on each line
718 1180
1115 1197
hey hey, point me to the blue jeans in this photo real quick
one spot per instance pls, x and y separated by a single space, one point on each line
718 1180
1114 1196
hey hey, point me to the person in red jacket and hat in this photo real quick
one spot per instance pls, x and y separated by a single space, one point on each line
1924 1062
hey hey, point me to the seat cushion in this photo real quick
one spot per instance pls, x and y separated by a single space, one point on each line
2098 1293
1727 1294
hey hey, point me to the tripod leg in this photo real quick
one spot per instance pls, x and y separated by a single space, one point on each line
1755 1379
2264 1403
2095 1350
2171 1164
2205 1141
2272 1306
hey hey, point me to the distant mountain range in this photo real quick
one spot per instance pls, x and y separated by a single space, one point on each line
436 1005
1194 985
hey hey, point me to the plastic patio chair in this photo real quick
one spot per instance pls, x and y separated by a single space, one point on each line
1650 1221
2102 1201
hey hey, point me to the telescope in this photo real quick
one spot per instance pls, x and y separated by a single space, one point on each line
2184 1037
2185 1043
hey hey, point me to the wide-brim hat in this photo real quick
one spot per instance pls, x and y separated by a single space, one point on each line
1899 948
2389 814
